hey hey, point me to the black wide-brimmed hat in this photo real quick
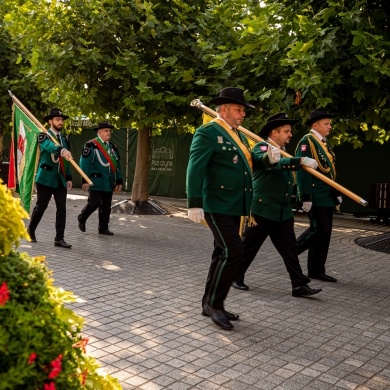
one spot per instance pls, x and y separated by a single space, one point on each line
55 113
104 125
230 95
275 121
318 114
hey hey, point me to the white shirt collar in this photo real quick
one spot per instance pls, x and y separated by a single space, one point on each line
317 134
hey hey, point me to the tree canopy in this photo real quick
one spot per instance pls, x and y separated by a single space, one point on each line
142 62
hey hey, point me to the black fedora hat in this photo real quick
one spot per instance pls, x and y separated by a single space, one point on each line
275 121
104 125
55 113
318 114
230 95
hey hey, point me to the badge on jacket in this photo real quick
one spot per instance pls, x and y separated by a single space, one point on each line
235 159
42 137
86 151
303 148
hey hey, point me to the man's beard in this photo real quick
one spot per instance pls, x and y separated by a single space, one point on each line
57 128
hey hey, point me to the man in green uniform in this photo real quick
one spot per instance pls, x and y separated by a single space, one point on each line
318 198
219 190
53 176
100 161
273 183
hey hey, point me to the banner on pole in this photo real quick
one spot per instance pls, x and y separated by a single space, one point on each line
24 156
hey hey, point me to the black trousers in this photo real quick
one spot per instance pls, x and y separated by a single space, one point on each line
316 239
44 194
227 255
98 200
282 236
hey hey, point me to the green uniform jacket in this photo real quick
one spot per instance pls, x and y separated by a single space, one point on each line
273 184
219 178
49 171
311 189
98 169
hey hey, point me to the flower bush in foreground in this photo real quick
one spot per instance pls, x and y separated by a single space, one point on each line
41 346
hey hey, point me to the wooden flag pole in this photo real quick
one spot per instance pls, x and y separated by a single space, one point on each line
198 104
54 139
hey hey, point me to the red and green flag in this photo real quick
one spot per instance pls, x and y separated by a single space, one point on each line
24 156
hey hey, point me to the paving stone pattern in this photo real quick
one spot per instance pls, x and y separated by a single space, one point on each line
139 292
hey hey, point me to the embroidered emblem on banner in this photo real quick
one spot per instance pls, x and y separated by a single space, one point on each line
220 139
235 159
303 148
263 148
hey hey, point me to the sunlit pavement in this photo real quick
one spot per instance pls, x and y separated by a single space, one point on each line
139 292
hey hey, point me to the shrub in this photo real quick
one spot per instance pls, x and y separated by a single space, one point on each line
41 346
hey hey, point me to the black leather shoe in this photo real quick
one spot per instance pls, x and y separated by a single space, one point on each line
305 291
230 316
32 235
82 226
106 232
324 278
62 244
240 286
218 317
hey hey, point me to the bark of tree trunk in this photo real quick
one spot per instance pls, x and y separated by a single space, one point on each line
139 192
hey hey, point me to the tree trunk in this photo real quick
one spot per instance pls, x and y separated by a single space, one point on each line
139 192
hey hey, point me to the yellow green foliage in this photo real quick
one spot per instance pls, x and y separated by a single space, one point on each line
41 345
12 227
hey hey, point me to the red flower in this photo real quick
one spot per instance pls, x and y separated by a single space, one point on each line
49 386
4 294
32 358
57 367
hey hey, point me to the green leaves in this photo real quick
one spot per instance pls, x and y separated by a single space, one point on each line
135 55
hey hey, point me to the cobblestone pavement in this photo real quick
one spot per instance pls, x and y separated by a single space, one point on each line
140 291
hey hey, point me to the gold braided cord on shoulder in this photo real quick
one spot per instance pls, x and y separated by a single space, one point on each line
315 155
320 165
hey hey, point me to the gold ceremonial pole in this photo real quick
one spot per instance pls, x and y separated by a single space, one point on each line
41 127
198 104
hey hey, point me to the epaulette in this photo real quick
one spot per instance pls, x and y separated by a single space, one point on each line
42 136
90 144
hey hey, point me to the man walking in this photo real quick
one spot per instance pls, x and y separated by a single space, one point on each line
219 190
273 183
53 177
317 197
100 161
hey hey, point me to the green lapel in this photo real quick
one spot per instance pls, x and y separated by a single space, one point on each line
224 133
